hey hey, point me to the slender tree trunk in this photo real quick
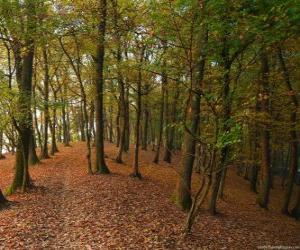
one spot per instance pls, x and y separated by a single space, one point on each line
161 117
66 137
111 132
126 121
82 122
54 148
122 108
193 118
92 123
1 145
265 173
44 153
36 124
136 172
171 131
99 61
145 131
118 129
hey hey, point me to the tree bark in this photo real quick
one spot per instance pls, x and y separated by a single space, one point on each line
44 153
161 117
295 212
99 62
293 166
193 118
171 130
136 172
1 145
265 173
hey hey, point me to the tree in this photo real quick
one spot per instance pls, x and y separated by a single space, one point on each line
99 82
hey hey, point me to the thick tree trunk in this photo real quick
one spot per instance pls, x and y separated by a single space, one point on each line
25 92
295 212
3 200
293 166
33 158
99 62
18 180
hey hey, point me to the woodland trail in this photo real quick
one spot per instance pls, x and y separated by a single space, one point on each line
69 209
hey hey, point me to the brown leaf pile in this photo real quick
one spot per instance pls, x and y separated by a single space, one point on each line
69 209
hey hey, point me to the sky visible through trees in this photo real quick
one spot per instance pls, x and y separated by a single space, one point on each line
181 100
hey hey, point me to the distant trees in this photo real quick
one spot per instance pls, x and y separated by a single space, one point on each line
215 81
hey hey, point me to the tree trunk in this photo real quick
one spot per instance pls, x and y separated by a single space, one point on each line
161 116
127 124
44 153
66 137
99 62
145 130
265 174
295 212
1 145
293 137
33 158
189 143
82 121
54 148
2 199
171 131
136 172
122 107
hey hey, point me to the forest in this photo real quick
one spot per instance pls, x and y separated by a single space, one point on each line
149 124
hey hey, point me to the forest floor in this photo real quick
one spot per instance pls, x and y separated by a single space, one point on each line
69 209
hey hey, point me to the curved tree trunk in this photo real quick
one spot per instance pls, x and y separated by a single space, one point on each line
193 118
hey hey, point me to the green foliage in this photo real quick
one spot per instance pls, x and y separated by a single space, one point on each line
231 136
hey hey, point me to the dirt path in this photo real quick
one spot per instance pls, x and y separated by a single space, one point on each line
72 210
